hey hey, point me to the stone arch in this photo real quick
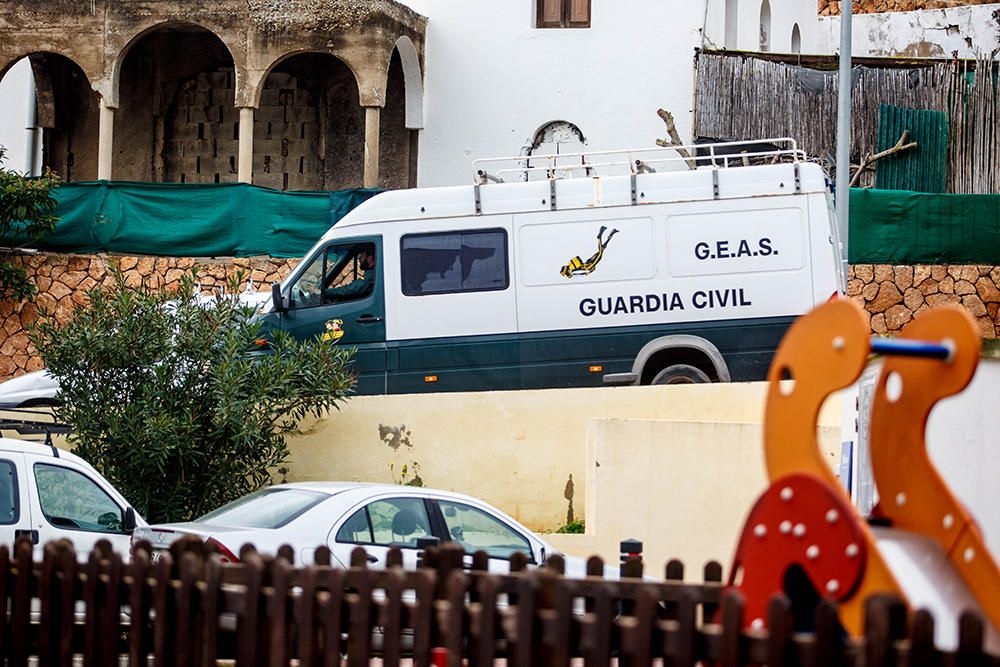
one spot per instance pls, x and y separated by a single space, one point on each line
67 113
175 97
155 25
765 25
13 60
309 125
796 39
257 86
398 142
414 80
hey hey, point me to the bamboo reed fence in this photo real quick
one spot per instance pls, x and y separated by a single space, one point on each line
188 608
742 97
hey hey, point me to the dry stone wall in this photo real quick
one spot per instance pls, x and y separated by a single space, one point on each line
893 295
832 7
63 282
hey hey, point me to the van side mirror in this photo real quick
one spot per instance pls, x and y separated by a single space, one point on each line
276 298
128 523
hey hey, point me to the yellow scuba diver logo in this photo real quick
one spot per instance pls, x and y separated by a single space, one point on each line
333 330
578 267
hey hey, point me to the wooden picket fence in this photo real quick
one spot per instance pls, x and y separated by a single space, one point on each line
189 608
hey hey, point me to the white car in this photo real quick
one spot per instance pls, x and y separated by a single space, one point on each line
47 494
31 390
345 515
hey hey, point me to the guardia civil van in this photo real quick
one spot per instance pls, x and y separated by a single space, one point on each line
631 267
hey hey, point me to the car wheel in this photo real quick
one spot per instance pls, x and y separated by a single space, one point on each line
681 374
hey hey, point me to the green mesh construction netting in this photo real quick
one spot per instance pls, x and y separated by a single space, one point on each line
901 227
226 220
211 220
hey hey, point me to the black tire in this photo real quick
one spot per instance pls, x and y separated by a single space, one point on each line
681 374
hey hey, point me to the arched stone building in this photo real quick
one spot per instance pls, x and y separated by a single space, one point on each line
291 94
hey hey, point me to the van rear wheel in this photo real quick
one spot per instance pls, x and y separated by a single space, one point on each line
681 374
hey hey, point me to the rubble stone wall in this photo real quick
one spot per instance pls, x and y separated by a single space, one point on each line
893 295
63 282
832 7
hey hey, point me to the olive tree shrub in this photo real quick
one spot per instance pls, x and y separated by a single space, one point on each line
26 214
169 401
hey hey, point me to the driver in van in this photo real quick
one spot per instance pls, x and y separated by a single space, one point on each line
362 284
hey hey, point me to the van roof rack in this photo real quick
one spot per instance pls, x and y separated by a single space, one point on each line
636 160
28 421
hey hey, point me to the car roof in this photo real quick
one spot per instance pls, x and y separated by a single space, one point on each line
37 448
365 489
370 487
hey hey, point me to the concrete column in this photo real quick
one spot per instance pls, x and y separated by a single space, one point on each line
372 120
105 141
244 169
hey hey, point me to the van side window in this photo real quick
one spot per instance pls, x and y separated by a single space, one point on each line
443 263
72 500
9 509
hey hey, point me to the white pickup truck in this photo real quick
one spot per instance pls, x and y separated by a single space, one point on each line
50 494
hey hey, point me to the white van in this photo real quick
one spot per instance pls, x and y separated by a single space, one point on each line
573 270
47 494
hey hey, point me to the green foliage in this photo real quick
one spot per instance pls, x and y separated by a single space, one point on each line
577 527
167 402
26 206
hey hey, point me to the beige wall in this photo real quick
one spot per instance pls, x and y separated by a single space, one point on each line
683 488
673 460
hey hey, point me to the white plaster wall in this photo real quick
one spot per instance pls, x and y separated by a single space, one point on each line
969 31
492 79
963 443
784 15
14 115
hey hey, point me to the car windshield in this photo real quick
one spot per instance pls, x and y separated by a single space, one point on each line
268 508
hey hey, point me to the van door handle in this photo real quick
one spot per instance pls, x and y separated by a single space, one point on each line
369 319
29 534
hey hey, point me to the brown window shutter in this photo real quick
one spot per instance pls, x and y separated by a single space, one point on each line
549 13
579 13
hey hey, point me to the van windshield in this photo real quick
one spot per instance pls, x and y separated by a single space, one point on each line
268 508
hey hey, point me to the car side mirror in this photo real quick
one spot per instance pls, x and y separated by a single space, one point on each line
128 523
276 299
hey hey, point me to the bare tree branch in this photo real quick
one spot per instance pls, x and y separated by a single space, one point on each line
675 138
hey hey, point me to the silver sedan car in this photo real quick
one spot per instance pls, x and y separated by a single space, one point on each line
345 515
